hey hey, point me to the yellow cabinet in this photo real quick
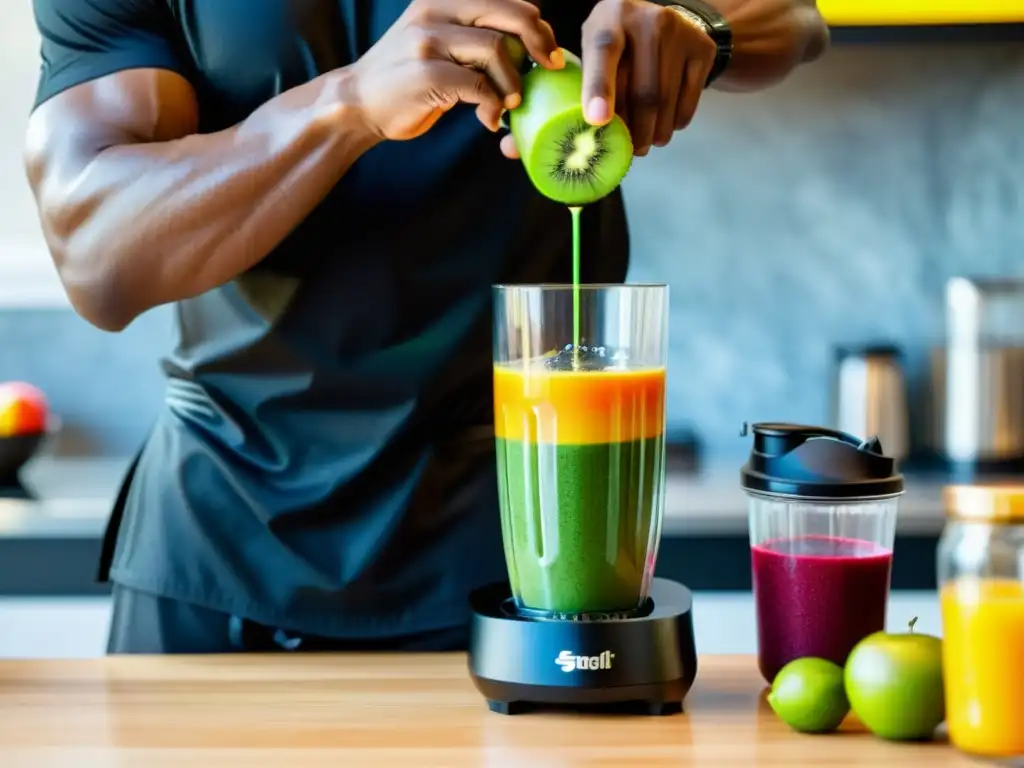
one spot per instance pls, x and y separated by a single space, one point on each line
841 13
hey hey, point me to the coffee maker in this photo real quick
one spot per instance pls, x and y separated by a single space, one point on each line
580 440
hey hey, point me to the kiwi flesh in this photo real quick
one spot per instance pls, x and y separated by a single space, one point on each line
567 159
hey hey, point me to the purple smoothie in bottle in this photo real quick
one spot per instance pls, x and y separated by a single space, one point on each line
817 596
823 507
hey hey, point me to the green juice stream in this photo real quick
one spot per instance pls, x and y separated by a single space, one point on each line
575 212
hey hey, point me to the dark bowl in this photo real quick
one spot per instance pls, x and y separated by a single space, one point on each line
18 450
15 452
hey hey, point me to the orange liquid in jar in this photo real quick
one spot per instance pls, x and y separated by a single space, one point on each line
983 665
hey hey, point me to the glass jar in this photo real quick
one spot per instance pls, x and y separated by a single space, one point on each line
981 583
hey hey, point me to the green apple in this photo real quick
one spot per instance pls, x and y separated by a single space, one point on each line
894 684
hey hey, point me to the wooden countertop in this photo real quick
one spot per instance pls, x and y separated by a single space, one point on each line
376 710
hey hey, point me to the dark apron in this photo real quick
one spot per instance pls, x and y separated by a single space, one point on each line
114 523
247 635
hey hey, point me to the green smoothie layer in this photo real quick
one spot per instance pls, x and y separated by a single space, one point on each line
577 521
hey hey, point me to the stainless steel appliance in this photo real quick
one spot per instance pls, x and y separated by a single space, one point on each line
869 396
977 378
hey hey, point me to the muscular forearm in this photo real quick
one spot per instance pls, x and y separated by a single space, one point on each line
135 225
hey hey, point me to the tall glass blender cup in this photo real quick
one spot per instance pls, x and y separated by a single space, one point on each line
823 507
579 414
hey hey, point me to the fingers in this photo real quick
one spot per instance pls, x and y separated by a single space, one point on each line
516 17
696 76
700 58
449 83
484 50
645 92
508 147
603 44
671 73
622 83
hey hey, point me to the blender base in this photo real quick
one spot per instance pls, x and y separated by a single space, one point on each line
645 664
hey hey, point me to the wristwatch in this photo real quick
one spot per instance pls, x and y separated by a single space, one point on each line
704 16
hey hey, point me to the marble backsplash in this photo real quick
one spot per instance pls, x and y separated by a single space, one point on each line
828 210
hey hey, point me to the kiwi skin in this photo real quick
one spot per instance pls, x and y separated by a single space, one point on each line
517 53
557 145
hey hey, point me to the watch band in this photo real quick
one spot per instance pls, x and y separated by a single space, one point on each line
713 23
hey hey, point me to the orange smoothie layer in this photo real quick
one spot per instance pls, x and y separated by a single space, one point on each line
983 665
578 407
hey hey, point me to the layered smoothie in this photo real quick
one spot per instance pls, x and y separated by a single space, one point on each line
581 458
817 596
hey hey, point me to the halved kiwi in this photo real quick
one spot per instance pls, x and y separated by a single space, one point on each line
567 159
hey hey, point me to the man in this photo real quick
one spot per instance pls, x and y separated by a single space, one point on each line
315 185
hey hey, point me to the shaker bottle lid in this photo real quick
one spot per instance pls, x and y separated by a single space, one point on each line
985 503
799 461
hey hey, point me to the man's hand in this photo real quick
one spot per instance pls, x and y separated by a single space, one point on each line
646 62
442 52
650 64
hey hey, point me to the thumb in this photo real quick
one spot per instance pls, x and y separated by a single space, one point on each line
602 52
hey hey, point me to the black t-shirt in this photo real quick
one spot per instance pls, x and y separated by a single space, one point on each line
323 461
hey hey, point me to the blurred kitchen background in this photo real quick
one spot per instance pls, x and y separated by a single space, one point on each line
831 210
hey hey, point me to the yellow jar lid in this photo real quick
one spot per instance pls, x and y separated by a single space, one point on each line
985 503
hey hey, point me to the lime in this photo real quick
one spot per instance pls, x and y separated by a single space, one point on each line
808 695
894 683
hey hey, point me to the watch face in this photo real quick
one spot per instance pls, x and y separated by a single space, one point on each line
692 17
